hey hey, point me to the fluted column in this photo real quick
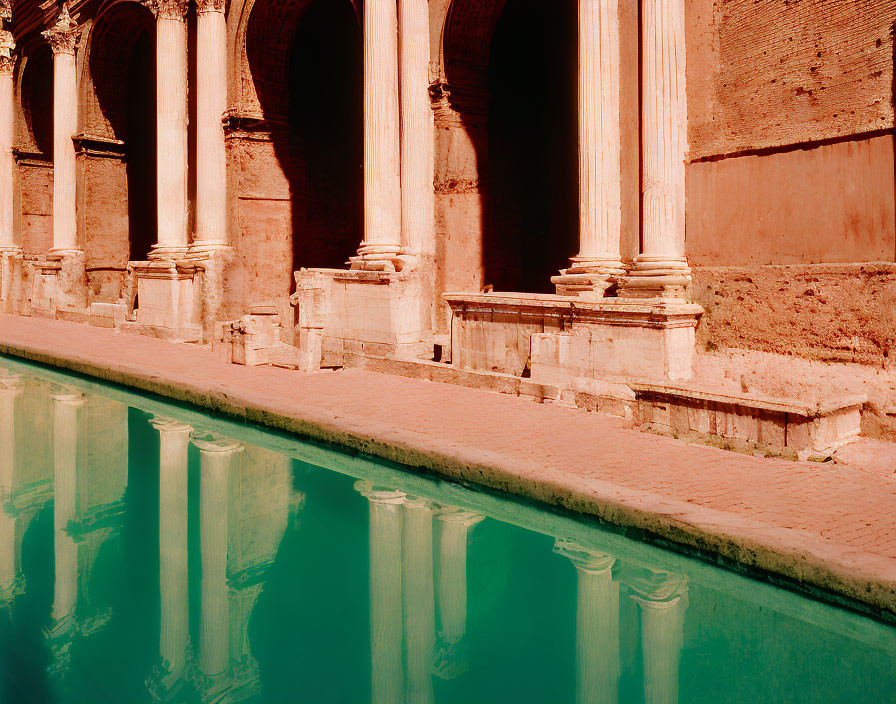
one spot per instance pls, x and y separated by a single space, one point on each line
216 454
598 262
387 671
382 179
63 39
661 270
171 127
455 527
417 146
174 439
662 600
597 625
69 454
211 92
419 613
11 390
7 164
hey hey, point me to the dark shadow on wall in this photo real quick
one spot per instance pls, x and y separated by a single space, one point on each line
140 146
531 206
37 100
325 144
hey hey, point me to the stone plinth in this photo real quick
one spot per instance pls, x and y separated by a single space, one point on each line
58 286
167 300
376 313
558 340
257 339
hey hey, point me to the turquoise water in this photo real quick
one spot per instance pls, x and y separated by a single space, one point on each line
149 552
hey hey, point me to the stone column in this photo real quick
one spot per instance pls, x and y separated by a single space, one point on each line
597 625
174 640
419 609
662 600
9 250
661 270
211 90
455 528
599 262
387 671
216 454
69 455
382 179
417 145
11 390
171 127
63 38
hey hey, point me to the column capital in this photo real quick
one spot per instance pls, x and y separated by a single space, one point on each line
212 442
6 10
584 559
209 6
7 58
64 35
12 384
168 9
379 495
169 425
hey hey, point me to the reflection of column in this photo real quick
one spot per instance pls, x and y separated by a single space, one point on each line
662 598
597 625
662 268
215 455
455 526
211 102
600 194
171 126
418 598
69 452
63 37
11 389
174 438
382 180
387 677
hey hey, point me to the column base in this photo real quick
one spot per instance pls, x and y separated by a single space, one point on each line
588 277
203 249
656 276
168 251
378 257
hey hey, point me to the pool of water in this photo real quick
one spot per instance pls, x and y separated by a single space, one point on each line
149 552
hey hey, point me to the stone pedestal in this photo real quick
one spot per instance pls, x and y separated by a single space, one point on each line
562 341
167 301
359 312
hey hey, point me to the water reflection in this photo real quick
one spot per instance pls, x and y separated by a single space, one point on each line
457 589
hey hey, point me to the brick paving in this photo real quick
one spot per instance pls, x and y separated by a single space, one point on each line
837 517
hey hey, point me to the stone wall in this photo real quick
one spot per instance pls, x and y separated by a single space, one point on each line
104 210
36 180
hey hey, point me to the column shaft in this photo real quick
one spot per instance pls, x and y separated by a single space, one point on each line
382 179
211 184
597 636
600 193
171 82
661 269
7 163
417 148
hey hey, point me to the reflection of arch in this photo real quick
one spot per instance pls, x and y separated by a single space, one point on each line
508 79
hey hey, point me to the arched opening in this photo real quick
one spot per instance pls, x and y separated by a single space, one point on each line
120 115
140 147
37 100
511 69
300 148
326 135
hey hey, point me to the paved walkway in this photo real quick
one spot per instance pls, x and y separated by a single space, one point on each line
830 526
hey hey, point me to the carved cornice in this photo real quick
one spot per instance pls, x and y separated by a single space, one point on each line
168 9
209 6
64 35
7 59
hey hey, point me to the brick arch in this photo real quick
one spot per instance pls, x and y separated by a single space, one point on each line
109 49
269 27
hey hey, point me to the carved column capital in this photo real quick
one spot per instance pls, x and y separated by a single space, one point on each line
6 10
7 59
168 9
209 6
64 35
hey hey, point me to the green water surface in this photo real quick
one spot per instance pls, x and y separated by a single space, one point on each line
149 552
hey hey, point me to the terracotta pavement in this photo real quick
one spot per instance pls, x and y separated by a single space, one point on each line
833 509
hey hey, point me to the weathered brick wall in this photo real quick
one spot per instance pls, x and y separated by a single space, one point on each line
766 73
